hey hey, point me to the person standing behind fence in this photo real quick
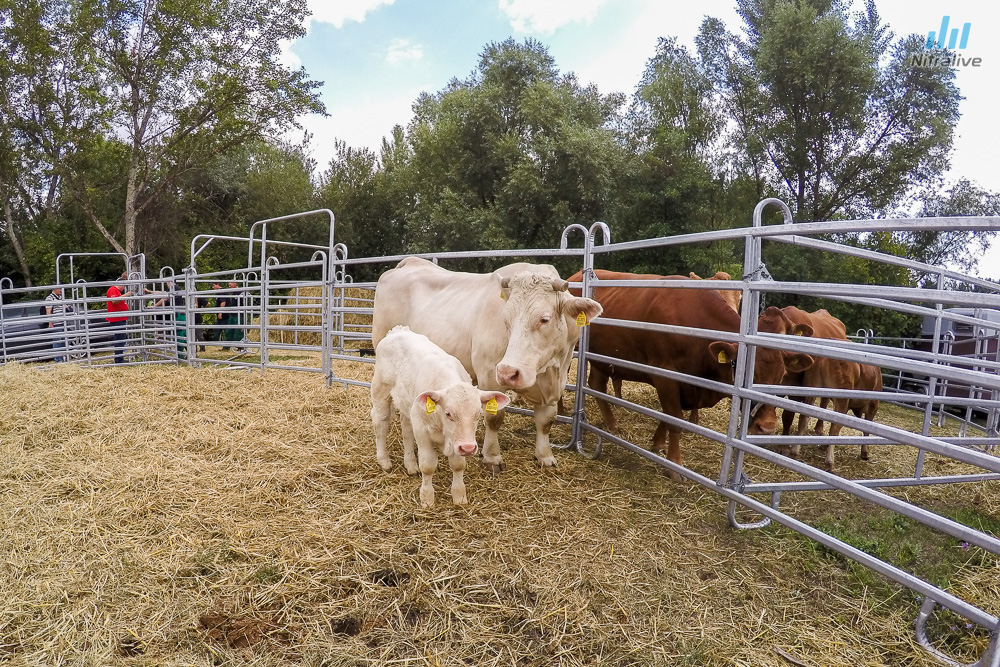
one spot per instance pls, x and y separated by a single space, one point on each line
199 306
235 300
56 308
116 307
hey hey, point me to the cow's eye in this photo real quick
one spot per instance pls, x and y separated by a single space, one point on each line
447 414
545 319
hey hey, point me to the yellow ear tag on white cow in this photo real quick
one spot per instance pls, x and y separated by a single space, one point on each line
722 356
491 406
431 405
581 320
502 296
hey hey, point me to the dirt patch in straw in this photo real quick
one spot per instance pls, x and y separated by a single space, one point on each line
178 516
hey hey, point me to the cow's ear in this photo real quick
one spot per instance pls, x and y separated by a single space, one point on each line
796 362
494 401
577 305
723 352
503 287
802 330
428 401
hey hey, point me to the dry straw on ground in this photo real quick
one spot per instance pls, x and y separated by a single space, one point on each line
179 516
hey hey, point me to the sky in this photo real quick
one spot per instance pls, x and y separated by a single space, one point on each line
375 57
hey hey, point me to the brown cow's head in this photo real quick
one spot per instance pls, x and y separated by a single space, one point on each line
542 327
770 365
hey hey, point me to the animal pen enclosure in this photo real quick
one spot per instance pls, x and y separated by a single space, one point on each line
305 305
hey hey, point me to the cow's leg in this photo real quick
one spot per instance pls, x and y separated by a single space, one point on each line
787 419
428 464
839 405
616 384
545 417
667 436
820 426
457 463
693 416
381 416
491 444
409 459
802 427
598 381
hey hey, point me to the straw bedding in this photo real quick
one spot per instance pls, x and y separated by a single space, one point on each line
179 516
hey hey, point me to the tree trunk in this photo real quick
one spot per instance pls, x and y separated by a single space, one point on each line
16 242
130 216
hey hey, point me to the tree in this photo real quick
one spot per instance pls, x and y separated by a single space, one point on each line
827 110
668 185
511 155
961 250
174 83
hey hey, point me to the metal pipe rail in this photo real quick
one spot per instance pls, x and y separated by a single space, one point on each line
266 291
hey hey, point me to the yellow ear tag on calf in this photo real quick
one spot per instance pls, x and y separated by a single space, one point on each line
581 320
722 356
501 295
491 406
431 405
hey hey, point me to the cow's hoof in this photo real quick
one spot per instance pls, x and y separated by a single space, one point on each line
674 476
412 472
495 468
613 429
387 466
546 462
864 456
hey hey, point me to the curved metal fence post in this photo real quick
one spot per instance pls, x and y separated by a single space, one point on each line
579 397
989 658
731 471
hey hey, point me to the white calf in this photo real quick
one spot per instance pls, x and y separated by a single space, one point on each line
437 404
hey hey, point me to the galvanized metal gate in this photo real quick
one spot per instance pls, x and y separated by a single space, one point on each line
310 304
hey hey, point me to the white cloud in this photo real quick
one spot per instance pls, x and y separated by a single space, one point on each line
362 124
545 16
336 12
402 50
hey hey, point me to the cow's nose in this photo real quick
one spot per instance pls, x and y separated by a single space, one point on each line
508 376
467 449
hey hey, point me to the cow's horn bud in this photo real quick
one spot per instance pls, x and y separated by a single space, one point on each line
505 283
559 285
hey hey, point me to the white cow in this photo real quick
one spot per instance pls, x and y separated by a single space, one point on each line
514 328
438 407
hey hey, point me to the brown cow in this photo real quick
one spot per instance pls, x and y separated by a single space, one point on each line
730 296
830 374
695 356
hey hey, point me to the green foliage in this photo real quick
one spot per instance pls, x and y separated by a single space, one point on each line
827 109
510 155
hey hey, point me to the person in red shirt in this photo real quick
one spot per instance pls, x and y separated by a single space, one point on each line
117 317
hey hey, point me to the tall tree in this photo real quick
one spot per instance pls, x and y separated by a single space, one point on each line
512 154
175 83
668 186
826 108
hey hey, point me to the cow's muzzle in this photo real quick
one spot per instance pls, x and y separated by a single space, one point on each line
467 448
511 377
